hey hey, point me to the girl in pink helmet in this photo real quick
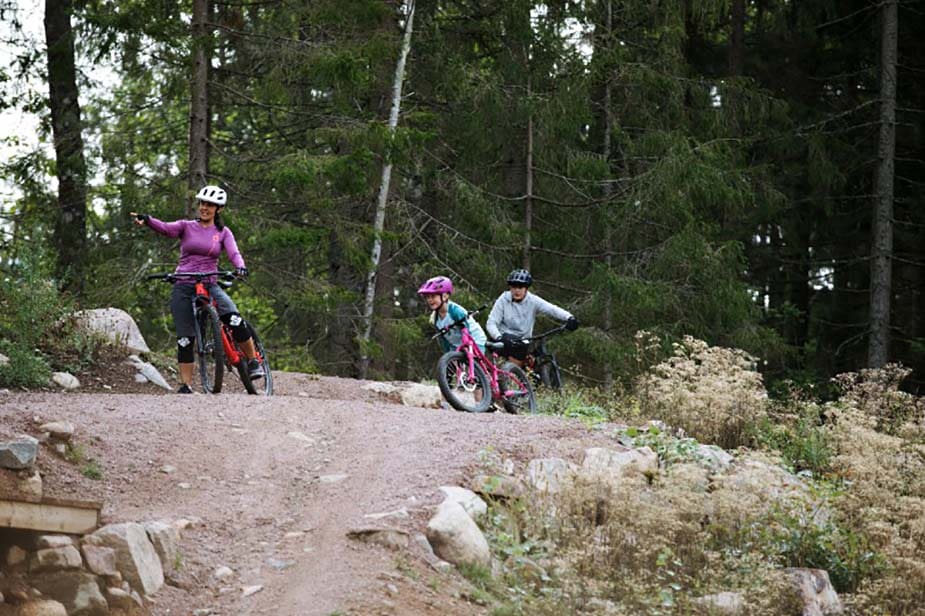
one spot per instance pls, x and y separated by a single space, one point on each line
436 294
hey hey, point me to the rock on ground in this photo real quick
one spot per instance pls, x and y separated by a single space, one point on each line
456 538
136 557
116 325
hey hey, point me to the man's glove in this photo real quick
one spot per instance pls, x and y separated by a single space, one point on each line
512 342
571 324
240 272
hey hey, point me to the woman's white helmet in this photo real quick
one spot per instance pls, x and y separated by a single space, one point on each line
212 194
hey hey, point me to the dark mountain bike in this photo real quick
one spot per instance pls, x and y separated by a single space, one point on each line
541 364
216 347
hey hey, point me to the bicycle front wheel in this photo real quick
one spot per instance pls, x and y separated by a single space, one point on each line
263 385
516 390
551 375
472 395
209 347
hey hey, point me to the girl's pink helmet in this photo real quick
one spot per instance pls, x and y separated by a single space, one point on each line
437 284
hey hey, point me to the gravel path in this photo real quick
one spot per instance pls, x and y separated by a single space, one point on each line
273 485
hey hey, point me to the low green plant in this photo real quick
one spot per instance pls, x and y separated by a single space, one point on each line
75 453
92 470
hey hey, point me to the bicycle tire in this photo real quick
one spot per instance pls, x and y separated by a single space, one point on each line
452 369
525 401
243 372
264 385
211 353
550 375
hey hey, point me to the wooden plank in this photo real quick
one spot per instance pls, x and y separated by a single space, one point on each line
48 517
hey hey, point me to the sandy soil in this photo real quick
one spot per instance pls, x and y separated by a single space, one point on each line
258 477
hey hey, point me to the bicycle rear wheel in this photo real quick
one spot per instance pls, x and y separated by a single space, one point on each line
516 390
261 386
551 375
209 347
472 395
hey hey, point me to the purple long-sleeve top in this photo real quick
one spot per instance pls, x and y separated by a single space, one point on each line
200 247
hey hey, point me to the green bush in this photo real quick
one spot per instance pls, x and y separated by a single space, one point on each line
26 367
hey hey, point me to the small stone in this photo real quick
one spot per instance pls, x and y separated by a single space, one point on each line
182 524
293 534
280 565
168 469
53 541
61 430
332 478
61 448
184 486
392 589
247 591
65 380
15 555
53 559
398 513
31 486
299 436
222 572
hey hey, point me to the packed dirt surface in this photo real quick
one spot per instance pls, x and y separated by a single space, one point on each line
272 487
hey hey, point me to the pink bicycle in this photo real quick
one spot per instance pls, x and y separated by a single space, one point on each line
470 381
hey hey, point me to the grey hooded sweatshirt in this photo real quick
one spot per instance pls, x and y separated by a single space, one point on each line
510 317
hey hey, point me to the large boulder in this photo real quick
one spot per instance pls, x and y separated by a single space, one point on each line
616 463
469 500
136 557
18 453
79 591
165 538
456 538
547 475
116 325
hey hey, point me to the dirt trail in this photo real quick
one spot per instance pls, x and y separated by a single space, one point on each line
259 477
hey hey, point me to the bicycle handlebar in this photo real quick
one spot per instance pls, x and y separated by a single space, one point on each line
554 330
171 276
445 330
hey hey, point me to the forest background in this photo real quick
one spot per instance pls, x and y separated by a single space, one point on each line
748 172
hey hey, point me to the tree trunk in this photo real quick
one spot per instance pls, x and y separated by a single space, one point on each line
528 201
71 224
737 38
199 122
379 222
608 233
878 350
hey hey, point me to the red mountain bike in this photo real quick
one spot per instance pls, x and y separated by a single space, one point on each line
470 381
215 347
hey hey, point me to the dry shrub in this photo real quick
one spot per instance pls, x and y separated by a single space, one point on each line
642 548
881 455
712 393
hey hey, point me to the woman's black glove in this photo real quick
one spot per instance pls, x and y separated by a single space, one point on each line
571 324
240 272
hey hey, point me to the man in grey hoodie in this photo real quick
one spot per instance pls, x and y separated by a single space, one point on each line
514 313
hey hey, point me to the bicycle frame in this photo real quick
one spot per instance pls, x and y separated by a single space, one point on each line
474 354
202 297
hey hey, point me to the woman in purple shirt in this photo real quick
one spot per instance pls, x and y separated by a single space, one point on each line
201 243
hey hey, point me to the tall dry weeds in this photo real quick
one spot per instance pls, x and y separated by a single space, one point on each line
712 393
